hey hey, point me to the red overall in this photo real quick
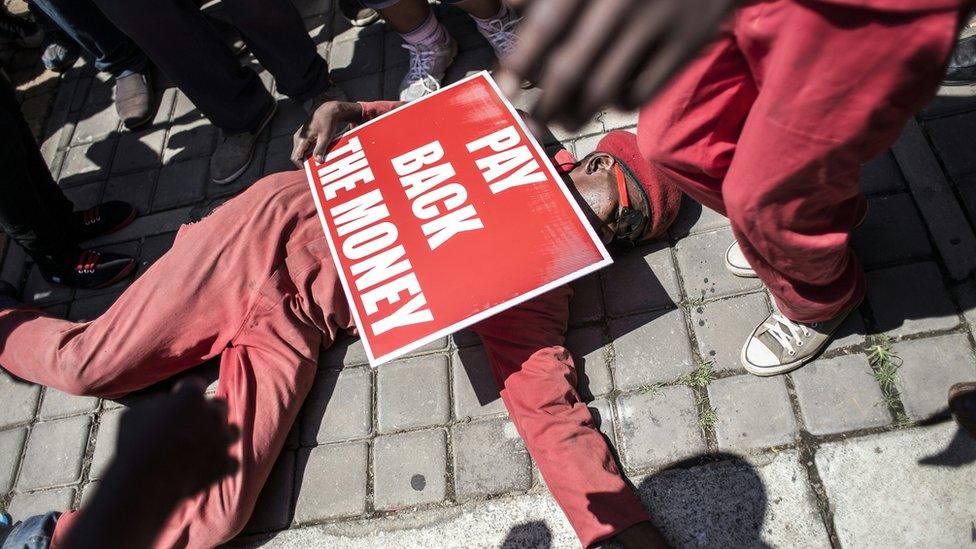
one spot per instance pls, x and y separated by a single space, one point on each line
771 125
253 284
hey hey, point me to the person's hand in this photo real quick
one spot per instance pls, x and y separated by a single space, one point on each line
317 133
178 443
588 55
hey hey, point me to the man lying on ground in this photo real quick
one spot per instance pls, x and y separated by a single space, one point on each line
253 283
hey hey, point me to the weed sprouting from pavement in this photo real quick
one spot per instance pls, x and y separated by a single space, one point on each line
706 415
700 377
884 364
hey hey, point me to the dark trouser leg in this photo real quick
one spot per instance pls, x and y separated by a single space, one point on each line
84 23
33 210
274 31
180 41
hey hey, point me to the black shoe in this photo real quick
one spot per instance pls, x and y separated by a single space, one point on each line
9 298
19 31
93 270
105 218
962 64
357 14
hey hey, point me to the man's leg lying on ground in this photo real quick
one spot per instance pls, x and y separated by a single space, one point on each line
537 381
790 188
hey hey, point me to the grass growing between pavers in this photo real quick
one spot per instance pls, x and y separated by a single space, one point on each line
885 363
698 379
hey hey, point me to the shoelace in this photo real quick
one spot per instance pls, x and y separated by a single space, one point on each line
422 60
502 35
91 216
784 339
87 262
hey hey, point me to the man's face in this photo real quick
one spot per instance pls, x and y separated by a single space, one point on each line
594 184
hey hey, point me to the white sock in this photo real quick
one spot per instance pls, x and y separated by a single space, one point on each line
429 32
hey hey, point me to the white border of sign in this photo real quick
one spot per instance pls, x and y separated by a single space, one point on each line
474 319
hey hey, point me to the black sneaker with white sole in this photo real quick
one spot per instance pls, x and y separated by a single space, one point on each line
105 218
92 270
235 150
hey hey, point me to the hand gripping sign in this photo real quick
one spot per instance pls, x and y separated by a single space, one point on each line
444 212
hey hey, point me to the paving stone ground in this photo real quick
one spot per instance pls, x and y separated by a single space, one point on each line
421 453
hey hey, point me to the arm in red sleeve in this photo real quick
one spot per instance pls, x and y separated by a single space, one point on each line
372 109
537 381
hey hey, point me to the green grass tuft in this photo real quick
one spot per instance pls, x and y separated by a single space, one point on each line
700 377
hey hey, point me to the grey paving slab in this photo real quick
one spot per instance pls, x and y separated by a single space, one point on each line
838 395
19 400
152 249
168 221
929 367
489 459
966 298
11 447
409 469
701 262
351 58
641 280
439 344
134 188
54 453
650 348
95 123
473 386
694 218
892 232
602 412
850 333
37 503
465 338
14 265
658 427
586 305
289 116
139 150
193 138
58 404
85 195
413 393
106 441
952 140
347 351
278 155
590 359
751 412
909 488
722 327
88 162
882 175
332 482
910 299
759 502
364 88
181 183
339 407
273 510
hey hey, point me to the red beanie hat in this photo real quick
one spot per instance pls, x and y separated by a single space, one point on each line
662 194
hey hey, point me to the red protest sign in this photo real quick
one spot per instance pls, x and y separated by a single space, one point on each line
444 212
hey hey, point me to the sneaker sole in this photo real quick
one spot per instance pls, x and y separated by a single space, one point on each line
123 274
250 157
796 364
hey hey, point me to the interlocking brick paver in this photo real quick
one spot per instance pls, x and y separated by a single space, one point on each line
694 218
910 299
751 412
658 427
152 249
929 367
190 139
882 175
148 225
722 327
348 351
850 333
475 391
135 188
439 344
590 359
106 441
332 482
54 453
289 116
409 469
87 162
95 122
952 143
11 447
650 348
640 281
892 231
489 459
602 412
469 62
351 58
839 394
701 260
273 509
19 400
614 119
412 393
86 195
586 304
181 183
339 407
57 404
38 503
139 150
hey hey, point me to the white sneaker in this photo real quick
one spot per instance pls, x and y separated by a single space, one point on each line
778 345
500 33
427 67
735 262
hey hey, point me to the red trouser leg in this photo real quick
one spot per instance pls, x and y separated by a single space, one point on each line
228 287
835 86
537 381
